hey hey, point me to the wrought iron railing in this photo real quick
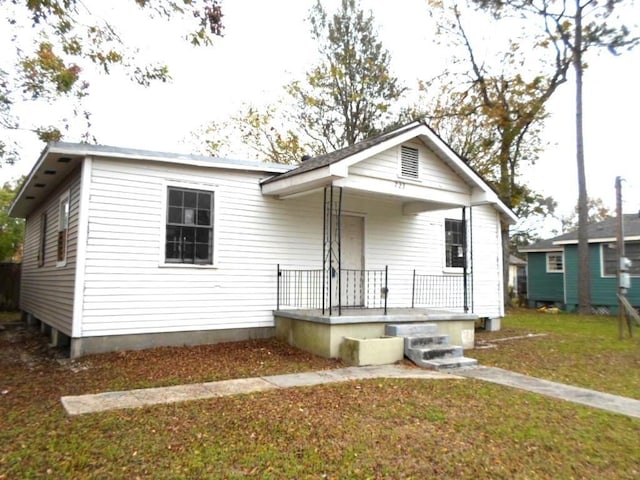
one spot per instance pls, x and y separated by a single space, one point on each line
300 289
441 291
332 290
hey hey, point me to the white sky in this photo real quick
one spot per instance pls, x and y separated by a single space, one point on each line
267 44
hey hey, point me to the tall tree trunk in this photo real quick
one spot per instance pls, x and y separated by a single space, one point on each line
504 233
584 283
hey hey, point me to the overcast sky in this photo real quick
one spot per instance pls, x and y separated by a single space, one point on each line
267 44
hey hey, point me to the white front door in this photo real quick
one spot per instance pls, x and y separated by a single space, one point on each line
352 244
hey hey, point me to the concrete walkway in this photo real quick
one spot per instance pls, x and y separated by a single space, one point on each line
583 396
77 405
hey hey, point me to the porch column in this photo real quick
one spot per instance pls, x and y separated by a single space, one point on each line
331 248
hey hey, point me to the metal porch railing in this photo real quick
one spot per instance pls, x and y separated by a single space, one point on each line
441 291
332 290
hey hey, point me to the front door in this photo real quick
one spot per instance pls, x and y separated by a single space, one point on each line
352 245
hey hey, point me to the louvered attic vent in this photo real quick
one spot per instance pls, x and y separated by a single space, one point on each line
409 162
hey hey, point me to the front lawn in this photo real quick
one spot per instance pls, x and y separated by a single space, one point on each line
365 429
581 351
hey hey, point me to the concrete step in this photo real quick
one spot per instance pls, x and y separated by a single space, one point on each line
410 329
447 363
443 351
420 341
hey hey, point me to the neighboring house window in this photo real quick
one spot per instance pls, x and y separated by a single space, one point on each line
610 258
409 163
43 239
555 262
454 243
189 237
63 230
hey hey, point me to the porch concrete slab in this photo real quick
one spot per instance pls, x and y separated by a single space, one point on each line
583 396
99 402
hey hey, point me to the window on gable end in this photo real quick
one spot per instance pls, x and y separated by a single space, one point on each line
409 163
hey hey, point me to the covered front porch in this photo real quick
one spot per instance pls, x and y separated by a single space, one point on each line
397 229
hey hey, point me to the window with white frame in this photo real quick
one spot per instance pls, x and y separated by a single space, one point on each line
555 262
409 162
610 258
454 243
43 239
63 230
189 227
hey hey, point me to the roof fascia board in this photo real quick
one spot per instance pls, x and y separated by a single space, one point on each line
289 185
630 238
539 250
27 181
86 150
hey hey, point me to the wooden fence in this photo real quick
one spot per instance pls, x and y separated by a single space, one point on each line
9 286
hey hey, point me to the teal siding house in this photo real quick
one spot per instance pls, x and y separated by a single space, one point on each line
552 267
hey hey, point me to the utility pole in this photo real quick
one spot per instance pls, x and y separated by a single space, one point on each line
624 280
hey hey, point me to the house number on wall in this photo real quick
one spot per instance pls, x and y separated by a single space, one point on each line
400 185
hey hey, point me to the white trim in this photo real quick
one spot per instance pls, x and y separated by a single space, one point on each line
81 252
66 196
209 187
598 240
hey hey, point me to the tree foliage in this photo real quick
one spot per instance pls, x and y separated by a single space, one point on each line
11 229
597 212
349 95
576 27
57 42
491 109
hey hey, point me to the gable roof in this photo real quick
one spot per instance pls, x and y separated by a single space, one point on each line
59 159
324 168
338 155
599 232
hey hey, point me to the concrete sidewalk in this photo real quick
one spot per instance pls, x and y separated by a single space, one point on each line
77 405
583 396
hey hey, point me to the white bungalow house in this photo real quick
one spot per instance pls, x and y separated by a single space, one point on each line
127 249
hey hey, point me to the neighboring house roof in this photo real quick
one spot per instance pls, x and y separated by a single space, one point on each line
513 260
321 170
604 231
59 159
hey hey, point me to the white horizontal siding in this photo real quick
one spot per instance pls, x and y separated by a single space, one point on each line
127 290
433 173
487 273
47 292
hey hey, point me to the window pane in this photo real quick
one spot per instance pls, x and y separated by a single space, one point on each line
204 200
175 197
202 252
188 234
189 216
204 217
175 215
190 199
202 235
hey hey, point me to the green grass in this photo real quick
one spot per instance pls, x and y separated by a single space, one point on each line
366 429
581 351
